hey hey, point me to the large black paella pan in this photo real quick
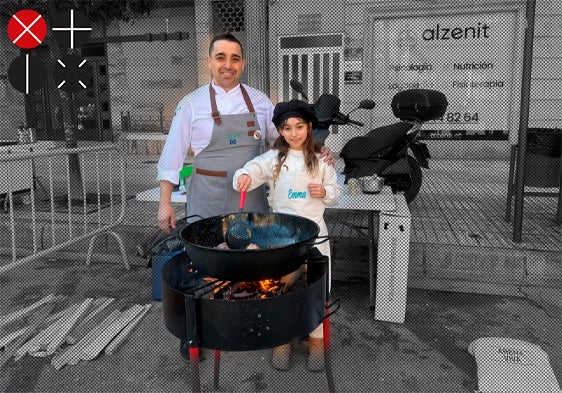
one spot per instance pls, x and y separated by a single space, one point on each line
282 241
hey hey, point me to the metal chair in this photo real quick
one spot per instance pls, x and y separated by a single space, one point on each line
540 172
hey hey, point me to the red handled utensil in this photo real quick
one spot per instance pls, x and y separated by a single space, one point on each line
238 234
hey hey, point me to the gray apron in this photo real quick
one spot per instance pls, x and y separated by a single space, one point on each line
236 139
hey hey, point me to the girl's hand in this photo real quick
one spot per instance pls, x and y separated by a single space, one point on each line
244 182
317 190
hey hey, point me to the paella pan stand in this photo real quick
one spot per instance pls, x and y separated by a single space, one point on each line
240 325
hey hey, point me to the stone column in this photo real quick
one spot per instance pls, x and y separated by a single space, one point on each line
256 51
203 23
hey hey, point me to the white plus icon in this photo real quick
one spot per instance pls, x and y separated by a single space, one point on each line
74 22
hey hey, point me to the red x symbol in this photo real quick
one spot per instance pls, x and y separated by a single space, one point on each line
27 29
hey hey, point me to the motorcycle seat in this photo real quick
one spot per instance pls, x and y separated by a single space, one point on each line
376 140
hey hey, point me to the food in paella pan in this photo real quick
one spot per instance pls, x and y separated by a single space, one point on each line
224 246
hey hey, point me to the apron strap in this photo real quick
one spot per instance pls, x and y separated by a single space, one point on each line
214 111
247 99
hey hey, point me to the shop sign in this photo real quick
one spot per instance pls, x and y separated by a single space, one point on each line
469 57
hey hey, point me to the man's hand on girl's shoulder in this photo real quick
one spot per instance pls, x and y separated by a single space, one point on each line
326 155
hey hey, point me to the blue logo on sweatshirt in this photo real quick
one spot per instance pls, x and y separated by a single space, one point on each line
296 194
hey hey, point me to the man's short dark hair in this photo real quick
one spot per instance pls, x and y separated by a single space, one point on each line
226 37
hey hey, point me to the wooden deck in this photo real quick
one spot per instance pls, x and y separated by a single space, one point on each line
459 237
470 211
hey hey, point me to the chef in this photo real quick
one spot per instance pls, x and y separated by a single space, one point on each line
226 124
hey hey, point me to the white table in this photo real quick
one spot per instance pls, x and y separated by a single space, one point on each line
153 195
19 175
385 201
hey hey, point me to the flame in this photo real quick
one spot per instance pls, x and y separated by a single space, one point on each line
245 289
268 285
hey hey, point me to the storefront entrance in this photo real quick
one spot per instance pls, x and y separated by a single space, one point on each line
91 105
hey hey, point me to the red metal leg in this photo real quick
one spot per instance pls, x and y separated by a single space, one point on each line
326 329
327 360
194 361
217 369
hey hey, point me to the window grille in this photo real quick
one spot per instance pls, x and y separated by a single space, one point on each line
229 16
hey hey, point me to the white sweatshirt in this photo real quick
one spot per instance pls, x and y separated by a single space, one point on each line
290 194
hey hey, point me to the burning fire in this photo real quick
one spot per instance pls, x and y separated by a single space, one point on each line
248 290
269 285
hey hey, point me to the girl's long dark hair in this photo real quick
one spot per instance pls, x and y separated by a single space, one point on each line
309 149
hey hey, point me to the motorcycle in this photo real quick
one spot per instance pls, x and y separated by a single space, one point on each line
384 151
327 111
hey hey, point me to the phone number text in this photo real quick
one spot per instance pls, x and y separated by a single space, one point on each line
458 117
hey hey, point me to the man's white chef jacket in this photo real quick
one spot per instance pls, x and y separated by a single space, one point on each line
192 124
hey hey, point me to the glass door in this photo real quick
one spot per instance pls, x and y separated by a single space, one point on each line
92 104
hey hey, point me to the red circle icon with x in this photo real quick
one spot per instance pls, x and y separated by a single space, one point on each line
27 29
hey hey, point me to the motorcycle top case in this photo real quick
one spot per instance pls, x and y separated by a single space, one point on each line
419 104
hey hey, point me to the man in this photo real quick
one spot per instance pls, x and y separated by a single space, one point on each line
226 124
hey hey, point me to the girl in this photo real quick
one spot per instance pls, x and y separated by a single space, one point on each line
300 184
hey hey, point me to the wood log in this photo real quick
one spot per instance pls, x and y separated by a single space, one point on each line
36 321
14 316
72 354
66 325
41 340
37 345
291 279
96 346
88 324
10 337
56 316
123 334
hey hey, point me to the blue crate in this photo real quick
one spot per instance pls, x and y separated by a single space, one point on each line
158 262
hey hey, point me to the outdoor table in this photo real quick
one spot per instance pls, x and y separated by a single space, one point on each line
153 195
372 204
